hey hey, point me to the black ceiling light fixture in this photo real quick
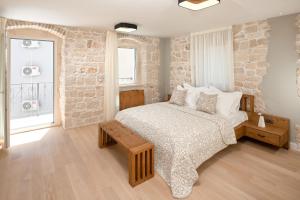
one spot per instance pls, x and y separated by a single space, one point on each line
125 27
197 4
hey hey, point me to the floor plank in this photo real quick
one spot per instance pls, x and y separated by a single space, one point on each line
67 164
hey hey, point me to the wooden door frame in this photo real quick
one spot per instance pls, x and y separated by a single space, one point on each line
35 34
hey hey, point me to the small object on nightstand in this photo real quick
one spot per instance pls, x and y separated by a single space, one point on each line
261 121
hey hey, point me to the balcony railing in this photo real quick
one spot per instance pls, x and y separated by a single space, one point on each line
126 80
42 93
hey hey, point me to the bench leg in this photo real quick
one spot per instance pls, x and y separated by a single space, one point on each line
140 166
104 139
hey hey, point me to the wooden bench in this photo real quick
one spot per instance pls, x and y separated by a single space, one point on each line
140 152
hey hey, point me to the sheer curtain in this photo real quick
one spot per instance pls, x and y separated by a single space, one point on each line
2 82
212 59
111 77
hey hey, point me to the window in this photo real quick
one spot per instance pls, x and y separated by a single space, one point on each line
127 65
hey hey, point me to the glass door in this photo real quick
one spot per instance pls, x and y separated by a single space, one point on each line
31 83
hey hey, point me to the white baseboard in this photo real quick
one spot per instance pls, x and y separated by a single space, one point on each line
294 146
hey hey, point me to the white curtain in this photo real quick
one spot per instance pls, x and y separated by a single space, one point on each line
212 59
2 82
111 77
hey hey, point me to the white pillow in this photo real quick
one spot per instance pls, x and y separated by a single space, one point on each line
187 86
193 95
214 90
228 103
179 87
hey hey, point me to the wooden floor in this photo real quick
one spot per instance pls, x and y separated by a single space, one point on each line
67 164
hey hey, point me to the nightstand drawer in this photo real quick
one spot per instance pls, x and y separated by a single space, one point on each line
263 136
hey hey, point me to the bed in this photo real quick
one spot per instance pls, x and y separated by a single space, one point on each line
183 139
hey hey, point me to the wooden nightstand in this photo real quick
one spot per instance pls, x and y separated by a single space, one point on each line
275 133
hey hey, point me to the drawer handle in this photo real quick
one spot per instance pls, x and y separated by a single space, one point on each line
262 136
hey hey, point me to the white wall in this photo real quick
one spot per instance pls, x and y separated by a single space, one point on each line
279 85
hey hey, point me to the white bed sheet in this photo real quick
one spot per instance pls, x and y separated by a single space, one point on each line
238 118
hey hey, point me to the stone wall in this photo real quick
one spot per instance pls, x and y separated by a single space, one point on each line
298 52
82 70
148 63
298 79
59 31
82 74
180 68
250 58
150 69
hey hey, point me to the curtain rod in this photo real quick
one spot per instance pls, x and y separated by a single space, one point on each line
212 30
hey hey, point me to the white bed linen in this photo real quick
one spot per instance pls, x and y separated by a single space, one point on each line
237 118
183 139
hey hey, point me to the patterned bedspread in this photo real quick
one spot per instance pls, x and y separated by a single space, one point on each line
183 140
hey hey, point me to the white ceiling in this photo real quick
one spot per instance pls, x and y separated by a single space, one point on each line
154 17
